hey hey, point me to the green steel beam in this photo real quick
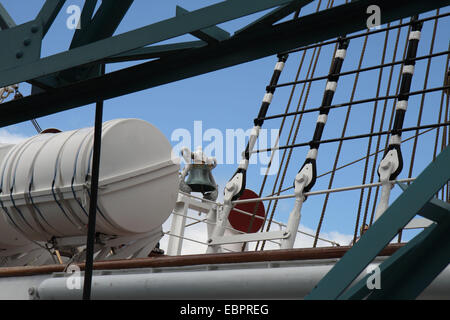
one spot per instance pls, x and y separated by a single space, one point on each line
212 34
435 210
155 51
402 210
103 25
241 48
85 20
415 271
6 21
20 45
48 13
275 15
160 31
360 290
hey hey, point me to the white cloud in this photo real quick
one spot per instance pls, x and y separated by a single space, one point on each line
10 138
198 232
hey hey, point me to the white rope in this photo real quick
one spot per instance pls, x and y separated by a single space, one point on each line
190 239
284 225
312 193
195 197
369 185
212 223
256 216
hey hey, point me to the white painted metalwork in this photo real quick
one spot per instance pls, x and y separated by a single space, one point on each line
249 237
312 193
387 166
260 280
302 179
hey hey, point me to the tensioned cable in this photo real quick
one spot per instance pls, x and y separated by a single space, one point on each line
338 152
355 161
441 109
311 70
392 163
309 165
359 35
379 66
444 133
360 136
377 147
36 125
310 73
390 123
419 118
311 65
269 166
318 192
340 105
372 126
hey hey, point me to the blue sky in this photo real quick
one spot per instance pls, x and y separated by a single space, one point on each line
230 99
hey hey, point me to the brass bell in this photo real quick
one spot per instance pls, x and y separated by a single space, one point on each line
199 178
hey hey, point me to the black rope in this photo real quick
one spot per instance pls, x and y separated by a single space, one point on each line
359 35
324 109
403 96
412 93
360 136
270 90
379 66
36 125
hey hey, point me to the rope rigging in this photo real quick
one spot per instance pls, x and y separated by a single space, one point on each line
236 185
7 91
392 163
397 118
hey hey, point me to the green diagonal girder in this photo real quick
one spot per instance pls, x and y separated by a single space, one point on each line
402 210
6 21
360 290
274 16
48 13
435 209
415 271
210 34
160 31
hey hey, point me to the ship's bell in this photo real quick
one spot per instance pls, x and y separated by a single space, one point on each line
199 178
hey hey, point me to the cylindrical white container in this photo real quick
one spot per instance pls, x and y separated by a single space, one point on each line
45 182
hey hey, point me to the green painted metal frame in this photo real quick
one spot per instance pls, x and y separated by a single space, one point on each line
274 16
211 34
157 32
435 209
414 266
48 13
104 23
94 44
240 48
156 51
6 21
92 29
